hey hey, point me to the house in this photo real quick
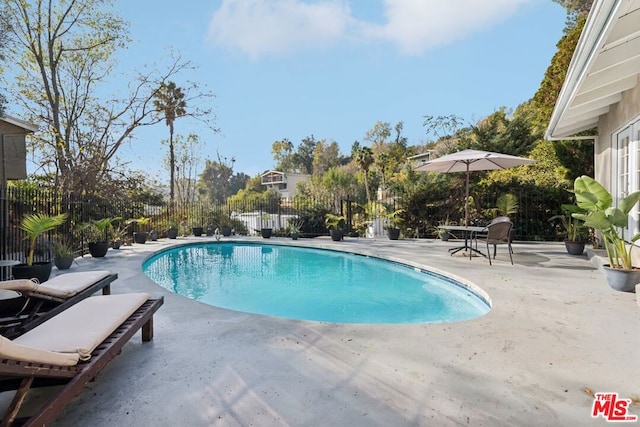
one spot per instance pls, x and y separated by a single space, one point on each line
284 183
419 159
601 92
13 148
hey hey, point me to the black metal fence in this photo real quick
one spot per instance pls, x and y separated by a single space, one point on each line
421 214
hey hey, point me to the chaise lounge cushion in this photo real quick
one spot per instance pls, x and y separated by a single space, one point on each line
61 286
11 350
82 327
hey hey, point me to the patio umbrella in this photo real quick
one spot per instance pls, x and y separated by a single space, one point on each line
472 160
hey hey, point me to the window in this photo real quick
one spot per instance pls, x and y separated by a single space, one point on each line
626 171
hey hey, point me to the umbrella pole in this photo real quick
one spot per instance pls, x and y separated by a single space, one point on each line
466 201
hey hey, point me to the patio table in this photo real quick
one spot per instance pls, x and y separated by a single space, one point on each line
467 231
6 265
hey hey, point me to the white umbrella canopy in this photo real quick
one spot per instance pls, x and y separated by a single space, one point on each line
472 160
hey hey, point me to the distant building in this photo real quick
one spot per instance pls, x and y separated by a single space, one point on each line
419 159
13 148
284 183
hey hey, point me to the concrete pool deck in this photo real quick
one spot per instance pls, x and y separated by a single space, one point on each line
555 332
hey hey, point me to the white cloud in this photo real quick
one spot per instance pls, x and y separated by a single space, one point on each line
416 26
265 27
261 27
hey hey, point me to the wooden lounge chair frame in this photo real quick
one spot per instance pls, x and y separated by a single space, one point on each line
22 376
42 311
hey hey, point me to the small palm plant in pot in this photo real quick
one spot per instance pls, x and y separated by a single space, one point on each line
575 232
335 224
141 235
97 233
395 219
34 225
610 221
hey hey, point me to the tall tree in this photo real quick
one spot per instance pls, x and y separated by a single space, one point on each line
188 152
282 152
304 155
325 156
216 177
503 133
298 161
63 53
576 156
363 157
4 40
576 10
170 102
378 135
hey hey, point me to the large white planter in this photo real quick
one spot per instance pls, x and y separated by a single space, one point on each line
620 279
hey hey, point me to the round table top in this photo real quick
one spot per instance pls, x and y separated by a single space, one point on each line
7 294
9 262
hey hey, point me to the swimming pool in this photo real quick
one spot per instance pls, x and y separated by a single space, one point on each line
311 284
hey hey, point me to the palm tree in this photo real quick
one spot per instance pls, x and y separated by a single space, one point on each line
364 160
170 102
35 225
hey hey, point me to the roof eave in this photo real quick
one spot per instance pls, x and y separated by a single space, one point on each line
598 24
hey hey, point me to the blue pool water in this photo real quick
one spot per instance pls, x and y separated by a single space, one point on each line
311 284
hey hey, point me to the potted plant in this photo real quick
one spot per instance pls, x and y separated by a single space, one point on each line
63 254
394 219
265 230
172 231
610 222
225 226
442 233
34 225
197 231
574 229
335 224
506 205
295 228
98 234
141 235
120 230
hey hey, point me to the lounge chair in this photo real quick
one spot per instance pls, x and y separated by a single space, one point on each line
70 349
40 302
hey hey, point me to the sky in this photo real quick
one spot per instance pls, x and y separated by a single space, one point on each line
333 68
